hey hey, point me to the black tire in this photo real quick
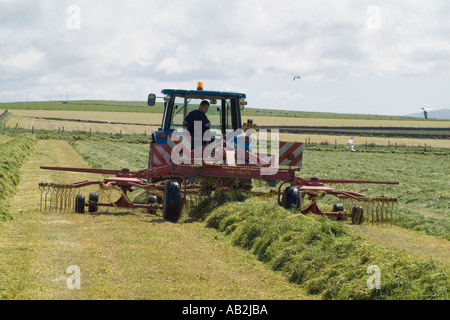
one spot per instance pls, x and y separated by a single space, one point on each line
173 201
151 199
292 198
338 207
357 214
93 201
80 202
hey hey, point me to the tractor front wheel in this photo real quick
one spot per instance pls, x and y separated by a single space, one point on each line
80 202
292 198
173 201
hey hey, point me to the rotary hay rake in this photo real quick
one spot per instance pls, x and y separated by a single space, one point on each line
177 184
166 184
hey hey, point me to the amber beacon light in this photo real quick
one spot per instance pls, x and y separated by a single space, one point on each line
200 86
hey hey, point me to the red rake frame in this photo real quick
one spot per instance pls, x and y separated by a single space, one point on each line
126 180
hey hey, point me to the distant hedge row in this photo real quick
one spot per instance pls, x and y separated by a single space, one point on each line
325 258
12 156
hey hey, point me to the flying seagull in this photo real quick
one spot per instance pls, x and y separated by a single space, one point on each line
296 77
426 109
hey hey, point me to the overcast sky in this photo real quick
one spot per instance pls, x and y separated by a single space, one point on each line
353 56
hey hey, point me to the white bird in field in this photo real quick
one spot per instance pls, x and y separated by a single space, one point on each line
426 109
297 77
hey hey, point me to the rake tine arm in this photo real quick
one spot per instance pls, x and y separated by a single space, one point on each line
85 183
123 172
357 181
320 182
348 194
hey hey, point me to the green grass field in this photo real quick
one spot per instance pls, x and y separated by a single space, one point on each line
328 259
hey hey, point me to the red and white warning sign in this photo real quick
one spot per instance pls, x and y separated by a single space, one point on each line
291 154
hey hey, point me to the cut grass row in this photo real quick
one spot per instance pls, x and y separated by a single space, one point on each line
12 155
323 256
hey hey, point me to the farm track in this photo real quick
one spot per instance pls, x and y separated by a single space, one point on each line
122 255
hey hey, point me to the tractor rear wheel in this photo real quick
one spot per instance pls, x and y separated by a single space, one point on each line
93 201
357 214
173 201
292 198
80 202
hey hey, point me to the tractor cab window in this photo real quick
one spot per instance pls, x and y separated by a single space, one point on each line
219 113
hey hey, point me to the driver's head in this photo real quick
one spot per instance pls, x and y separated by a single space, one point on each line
204 106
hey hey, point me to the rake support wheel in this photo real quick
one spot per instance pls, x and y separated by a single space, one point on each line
80 202
338 207
93 202
357 214
151 199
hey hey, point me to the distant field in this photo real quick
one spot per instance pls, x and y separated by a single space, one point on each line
111 106
272 121
70 126
141 106
155 118
145 123
361 141
124 117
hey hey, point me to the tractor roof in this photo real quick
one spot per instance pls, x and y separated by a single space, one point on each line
203 94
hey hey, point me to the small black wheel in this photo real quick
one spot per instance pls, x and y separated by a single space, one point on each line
292 198
93 202
173 201
357 214
151 199
80 202
338 207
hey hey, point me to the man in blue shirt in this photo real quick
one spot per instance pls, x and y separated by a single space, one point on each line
198 115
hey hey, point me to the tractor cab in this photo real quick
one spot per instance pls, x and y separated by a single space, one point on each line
224 111
224 114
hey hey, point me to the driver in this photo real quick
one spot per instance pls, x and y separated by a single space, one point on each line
198 115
